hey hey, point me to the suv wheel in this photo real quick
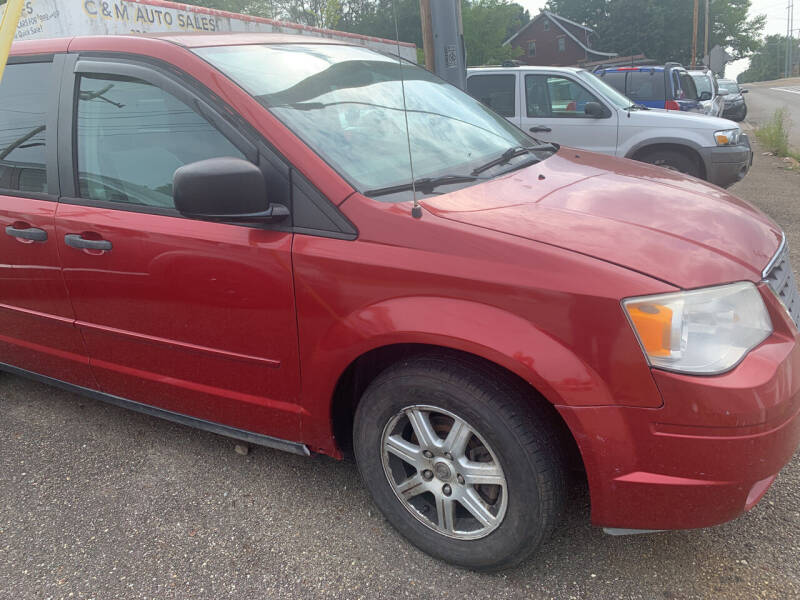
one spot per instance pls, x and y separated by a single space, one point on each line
459 462
674 161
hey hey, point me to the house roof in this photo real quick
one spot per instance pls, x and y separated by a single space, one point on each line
559 22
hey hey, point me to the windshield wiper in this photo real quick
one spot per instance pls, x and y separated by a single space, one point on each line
512 152
423 184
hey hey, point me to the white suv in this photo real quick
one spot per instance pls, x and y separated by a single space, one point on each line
572 107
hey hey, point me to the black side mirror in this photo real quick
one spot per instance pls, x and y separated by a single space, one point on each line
743 91
594 110
704 96
224 189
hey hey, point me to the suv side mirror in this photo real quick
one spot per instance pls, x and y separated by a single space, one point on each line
743 91
594 110
224 189
704 96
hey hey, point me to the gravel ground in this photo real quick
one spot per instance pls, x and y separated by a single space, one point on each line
97 502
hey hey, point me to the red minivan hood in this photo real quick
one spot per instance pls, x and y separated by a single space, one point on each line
661 223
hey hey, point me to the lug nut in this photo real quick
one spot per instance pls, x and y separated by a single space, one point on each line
446 490
427 474
448 456
460 479
427 454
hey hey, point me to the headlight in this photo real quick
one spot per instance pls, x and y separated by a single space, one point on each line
728 137
706 331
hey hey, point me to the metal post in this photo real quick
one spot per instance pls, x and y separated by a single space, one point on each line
448 53
694 32
427 33
705 51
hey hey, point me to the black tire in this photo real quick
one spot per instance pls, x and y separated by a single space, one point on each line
673 160
517 427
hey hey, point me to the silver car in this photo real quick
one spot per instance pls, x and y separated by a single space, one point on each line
709 93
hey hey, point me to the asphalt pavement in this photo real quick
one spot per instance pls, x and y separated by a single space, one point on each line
98 502
765 97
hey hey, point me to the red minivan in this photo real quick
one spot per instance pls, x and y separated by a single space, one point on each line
312 246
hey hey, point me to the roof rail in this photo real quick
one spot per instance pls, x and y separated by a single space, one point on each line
512 63
673 64
601 67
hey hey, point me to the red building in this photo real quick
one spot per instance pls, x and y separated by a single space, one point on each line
551 40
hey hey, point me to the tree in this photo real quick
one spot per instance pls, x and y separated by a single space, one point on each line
487 24
769 60
663 30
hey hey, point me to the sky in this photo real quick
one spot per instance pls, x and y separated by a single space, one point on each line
774 9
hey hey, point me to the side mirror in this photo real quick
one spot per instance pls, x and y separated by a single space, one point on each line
224 189
704 96
594 110
743 91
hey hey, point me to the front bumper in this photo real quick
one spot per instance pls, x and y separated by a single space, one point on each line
708 454
725 165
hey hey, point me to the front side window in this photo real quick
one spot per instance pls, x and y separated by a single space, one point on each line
495 91
132 136
549 95
688 87
362 112
23 117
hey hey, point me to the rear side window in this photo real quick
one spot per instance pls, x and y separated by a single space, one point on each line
132 136
495 91
646 86
23 118
615 80
688 87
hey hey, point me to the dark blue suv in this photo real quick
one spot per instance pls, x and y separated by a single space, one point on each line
670 87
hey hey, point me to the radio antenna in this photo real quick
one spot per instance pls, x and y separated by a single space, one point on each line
416 209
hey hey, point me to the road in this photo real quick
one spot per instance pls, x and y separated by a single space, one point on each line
764 98
97 502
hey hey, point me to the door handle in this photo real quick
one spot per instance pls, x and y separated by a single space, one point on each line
540 129
75 240
27 233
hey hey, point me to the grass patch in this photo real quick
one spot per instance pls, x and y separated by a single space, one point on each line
774 134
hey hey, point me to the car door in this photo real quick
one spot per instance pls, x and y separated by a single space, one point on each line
37 324
195 317
554 111
498 91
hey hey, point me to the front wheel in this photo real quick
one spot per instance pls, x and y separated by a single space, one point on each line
458 460
674 161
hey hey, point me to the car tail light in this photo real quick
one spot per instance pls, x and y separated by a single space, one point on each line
672 105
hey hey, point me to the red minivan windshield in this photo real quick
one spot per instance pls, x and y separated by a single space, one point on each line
372 117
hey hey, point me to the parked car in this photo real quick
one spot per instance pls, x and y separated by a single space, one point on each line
670 87
735 106
710 95
247 251
574 107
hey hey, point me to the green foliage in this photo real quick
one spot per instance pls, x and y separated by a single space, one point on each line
774 134
487 24
662 30
769 60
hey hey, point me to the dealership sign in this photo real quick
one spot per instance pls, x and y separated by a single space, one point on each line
62 18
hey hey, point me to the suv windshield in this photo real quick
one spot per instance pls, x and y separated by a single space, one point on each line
612 95
347 103
729 86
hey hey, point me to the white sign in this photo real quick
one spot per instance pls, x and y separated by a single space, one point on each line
63 18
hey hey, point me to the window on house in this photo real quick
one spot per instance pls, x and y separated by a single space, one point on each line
531 48
562 44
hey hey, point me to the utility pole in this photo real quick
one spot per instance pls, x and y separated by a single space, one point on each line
705 49
694 32
791 38
788 61
443 40
427 34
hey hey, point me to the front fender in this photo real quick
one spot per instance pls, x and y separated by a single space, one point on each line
493 334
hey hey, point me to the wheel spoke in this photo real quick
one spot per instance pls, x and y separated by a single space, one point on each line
404 450
457 438
479 473
445 512
413 486
477 508
421 424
